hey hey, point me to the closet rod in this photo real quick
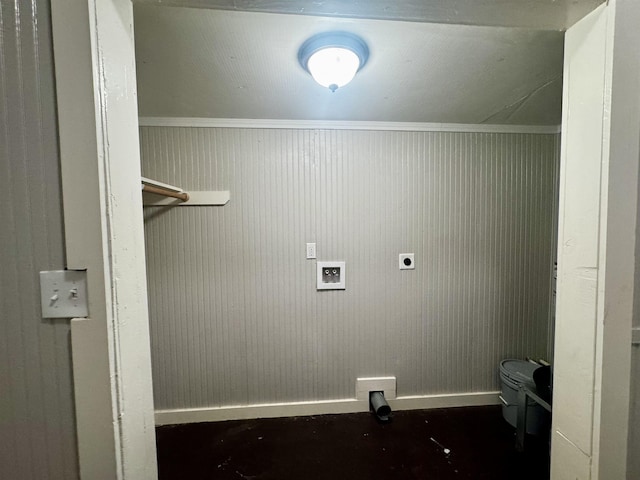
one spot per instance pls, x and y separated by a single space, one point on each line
184 196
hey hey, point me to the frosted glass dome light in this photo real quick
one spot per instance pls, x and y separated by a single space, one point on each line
333 67
333 58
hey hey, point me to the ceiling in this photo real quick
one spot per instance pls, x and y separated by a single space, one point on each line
211 63
539 14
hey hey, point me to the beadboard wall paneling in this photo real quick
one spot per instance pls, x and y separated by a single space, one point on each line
235 315
633 461
37 421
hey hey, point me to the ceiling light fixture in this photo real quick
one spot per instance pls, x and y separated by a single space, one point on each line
333 58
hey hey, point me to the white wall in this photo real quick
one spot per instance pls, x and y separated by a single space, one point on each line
633 467
235 316
633 461
37 425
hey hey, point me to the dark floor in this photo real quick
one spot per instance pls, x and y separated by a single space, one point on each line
480 446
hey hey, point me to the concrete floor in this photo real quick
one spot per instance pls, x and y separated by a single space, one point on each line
459 443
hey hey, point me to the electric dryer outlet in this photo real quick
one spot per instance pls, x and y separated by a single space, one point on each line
406 261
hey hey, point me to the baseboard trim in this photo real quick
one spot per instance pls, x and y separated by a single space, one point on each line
300 409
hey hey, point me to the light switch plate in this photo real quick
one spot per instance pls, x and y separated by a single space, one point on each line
311 251
63 294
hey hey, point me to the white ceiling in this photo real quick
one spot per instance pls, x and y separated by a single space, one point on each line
228 64
539 14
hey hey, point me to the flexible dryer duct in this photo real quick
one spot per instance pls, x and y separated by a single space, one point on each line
379 405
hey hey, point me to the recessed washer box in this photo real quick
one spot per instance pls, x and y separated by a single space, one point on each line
330 275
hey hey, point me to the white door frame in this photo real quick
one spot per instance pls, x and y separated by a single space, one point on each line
96 89
596 244
100 165
621 150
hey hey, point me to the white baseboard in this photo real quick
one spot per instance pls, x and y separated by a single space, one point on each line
324 407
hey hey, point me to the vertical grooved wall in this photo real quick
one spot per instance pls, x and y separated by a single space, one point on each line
235 316
37 418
